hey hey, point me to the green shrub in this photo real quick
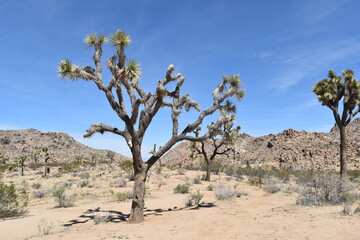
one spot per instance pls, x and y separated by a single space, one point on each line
62 199
210 187
121 196
127 167
182 188
196 197
36 185
39 193
11 203
83 184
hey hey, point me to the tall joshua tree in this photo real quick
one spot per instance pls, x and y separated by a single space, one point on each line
338 90
138 113
216 146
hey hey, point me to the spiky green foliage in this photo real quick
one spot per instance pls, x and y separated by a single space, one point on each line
133 69
232 80
120 38
330 91
93 38
68 70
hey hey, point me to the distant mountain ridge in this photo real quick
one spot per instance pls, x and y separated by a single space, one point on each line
299 150
63 147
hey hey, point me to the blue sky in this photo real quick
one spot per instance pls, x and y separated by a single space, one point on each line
280 49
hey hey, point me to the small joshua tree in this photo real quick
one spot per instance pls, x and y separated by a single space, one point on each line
138 113
331 92
35 155
21 162
46 152
217 146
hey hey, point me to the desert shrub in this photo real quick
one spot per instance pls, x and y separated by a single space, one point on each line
62 199
131 177
271 188
39 193
121 182
83 184
11 203
102 219
182 188
44 228
224 192
272 185
255 181
57 175
197 180
193 199
188 201
84 175
121 196
127 167
196 197
158 170
210 187
36 185
181 171
324 189
354 174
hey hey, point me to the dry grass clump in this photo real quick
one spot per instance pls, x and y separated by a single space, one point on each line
224 192
324 189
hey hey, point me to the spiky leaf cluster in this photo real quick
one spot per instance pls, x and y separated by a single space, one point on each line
120 38
133 69
93 39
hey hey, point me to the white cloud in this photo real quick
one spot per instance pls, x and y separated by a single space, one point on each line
301 63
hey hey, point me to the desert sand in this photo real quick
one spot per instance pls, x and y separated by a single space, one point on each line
256 216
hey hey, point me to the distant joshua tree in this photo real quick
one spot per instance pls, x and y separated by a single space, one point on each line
46 152
139 111
216 146
340 90
110 155
21 162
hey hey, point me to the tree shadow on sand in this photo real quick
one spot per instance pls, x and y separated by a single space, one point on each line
113 216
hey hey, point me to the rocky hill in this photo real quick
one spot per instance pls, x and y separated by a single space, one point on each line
290 149
63 148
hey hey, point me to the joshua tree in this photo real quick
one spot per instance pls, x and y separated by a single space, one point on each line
46 152
330 93
21 162
110 155
153 151
139 111
35 155
222 146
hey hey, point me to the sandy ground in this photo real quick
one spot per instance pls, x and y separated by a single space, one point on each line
255 216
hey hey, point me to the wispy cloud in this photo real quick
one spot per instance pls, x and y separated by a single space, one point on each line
301 63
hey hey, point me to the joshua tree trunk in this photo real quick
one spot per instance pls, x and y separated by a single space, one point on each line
343 148
208 171
138 202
